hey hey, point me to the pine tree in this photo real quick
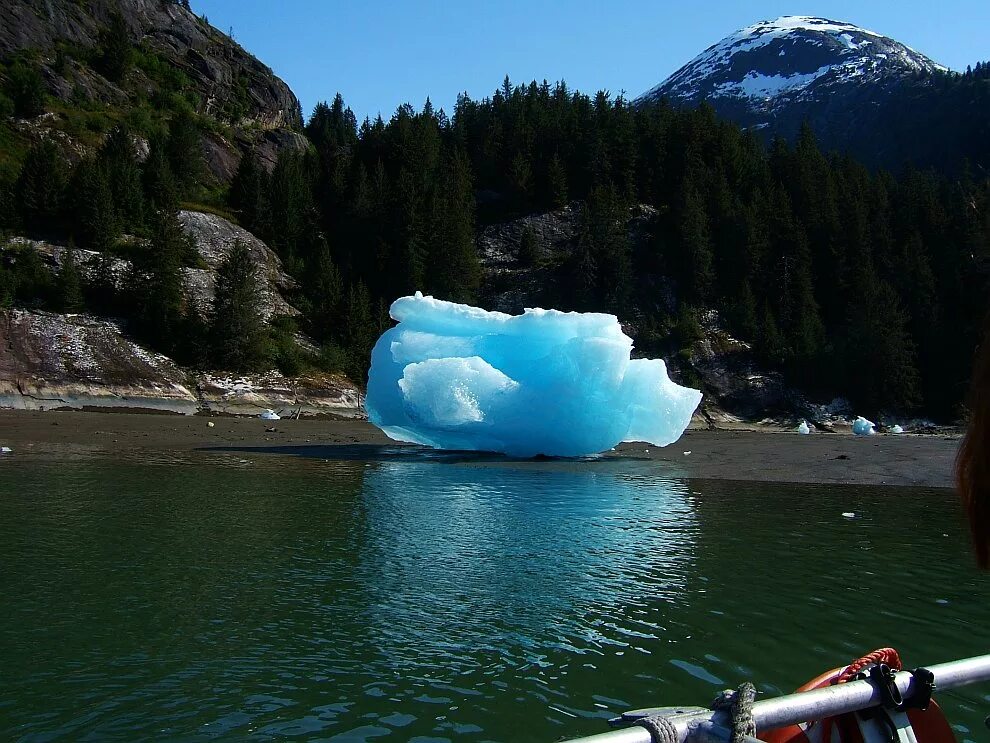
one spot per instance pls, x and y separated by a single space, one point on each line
325 291
41 186
117 52
453 271
237 330
116 55
185 152
93 215
248 191
160 187
696 241
556 183
160 298
529 251
360 331
118 161
69 285
880 353
26 89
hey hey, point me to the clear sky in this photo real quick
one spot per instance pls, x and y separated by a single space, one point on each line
383 53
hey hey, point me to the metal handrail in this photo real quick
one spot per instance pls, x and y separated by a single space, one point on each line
830 701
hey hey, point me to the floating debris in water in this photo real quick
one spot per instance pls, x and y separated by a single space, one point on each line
849 515
687 453
5 450
210 424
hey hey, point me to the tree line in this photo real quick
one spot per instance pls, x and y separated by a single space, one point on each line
867 284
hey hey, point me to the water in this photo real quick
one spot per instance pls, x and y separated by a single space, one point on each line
228 596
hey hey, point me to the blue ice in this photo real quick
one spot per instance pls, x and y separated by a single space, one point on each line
457 377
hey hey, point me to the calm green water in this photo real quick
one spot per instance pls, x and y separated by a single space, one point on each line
231 596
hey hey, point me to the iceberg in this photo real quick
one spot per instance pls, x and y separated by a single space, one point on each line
452 376
863 427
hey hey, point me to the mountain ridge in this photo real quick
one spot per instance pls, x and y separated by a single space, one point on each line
861 92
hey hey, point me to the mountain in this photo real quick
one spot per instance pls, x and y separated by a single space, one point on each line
141 61
860 91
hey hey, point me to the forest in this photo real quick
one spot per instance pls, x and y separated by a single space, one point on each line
871 285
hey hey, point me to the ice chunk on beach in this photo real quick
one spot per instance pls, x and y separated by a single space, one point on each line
269 415
863 427
451 376
804 429
896 428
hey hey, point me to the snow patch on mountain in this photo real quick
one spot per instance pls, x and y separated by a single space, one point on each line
789 58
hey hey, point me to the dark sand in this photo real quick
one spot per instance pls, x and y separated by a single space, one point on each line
770 456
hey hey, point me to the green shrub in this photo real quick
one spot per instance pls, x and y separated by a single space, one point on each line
26 89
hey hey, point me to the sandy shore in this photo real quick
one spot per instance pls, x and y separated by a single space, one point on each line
725 455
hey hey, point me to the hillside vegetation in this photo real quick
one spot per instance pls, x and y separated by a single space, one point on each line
849 281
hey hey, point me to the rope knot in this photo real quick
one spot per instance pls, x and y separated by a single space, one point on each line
739 704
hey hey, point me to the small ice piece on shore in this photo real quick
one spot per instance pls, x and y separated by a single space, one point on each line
849 515
452 376
896 428
863 427
270 415
803 429
210 424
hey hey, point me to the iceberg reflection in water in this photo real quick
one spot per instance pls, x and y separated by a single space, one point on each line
512 560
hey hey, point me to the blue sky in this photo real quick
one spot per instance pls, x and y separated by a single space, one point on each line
381 54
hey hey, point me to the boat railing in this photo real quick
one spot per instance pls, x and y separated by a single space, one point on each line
696 725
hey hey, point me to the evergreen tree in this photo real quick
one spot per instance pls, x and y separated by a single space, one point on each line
33 282
26 89
160 186
185 152
69 284
880 353
93 214
159 298
325 292
41 186
359 332
696 241
117 53
118 162
556 183
237 330
101 288
453 271
248 192
529 251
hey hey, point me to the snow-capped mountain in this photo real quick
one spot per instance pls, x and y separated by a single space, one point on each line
774 74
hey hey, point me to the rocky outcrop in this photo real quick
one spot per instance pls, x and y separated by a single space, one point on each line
321 394
226 77
52 361
510 284
213 237
734 383
256 110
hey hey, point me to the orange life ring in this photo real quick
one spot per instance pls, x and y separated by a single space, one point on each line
929 725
